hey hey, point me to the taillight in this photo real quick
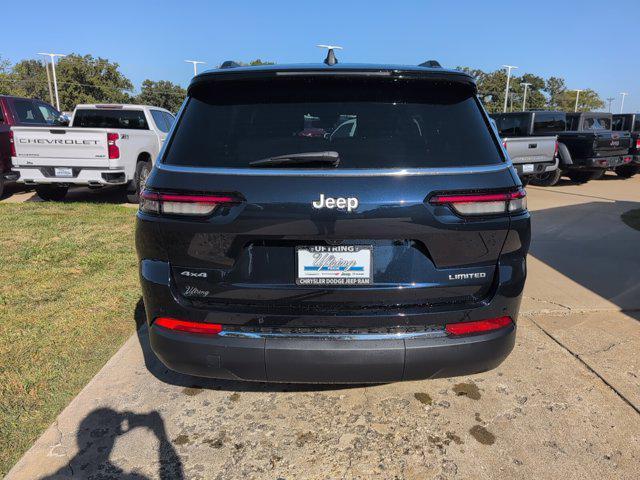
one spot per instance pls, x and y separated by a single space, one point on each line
475 204
181 204
555 150
478 326
638 143
114 150
12 144
186 326
626 159
504 144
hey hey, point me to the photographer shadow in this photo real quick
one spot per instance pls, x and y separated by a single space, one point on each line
96 437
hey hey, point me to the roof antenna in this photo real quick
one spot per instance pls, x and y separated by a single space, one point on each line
331 57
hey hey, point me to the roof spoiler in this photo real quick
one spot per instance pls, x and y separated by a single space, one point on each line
431 64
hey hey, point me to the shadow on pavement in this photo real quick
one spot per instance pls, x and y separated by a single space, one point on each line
162 373
591 245
96 437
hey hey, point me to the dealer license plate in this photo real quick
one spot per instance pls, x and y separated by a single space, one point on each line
334 265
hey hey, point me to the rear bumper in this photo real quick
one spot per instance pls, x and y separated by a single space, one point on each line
81 176
597 163
330 358
535 168
271 347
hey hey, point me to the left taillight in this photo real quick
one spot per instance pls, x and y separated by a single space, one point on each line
112 147
184 204
12 144
638 144
482 204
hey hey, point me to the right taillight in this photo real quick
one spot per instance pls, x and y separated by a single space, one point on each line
482 204
113 149
555 150
184 204
12 144
638 143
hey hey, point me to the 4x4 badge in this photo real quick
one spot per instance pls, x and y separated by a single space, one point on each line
187 273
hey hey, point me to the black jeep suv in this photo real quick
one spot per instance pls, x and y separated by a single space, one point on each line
332 223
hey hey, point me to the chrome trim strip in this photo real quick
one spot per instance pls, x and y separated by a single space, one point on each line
334 336
388 172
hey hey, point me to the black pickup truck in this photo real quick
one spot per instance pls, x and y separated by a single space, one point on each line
629 122
589 147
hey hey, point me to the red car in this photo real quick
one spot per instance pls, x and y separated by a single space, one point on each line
17 111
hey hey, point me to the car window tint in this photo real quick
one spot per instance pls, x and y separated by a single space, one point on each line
510 125
404 123
27 111
110 118
159 120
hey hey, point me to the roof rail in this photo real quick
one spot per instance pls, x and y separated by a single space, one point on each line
230 64
431 64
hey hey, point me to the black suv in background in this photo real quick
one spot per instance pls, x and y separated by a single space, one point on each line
629 122
332 223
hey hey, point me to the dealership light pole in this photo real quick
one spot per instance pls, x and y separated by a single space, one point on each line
195 65
524 99
53 56
575 109
610 99
624 94
506 91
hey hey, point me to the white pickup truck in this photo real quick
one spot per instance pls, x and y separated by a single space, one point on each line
104 145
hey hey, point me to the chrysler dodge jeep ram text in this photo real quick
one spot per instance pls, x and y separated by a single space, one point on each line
390 247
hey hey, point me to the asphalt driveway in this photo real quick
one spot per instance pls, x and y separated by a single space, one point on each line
565 404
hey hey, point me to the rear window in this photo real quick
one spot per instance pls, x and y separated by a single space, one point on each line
548 123
369 123
510 125
35 113
596 123
110 118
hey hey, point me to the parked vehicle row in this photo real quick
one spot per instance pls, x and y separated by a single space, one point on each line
104 145
585 145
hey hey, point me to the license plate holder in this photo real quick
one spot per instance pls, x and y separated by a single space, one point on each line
65 172
334 265
527 168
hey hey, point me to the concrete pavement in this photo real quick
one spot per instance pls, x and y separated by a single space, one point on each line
565 404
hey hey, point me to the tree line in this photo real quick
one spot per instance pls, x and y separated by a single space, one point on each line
542 94
88 79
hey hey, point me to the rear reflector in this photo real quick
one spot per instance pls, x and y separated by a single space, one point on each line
626 159
191 327
182 204
484 203
479 326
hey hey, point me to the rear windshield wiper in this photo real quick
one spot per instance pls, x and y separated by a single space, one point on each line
329 158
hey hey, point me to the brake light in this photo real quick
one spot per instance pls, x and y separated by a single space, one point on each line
186 326
478 326
181 204
484 203
638 143
555 150
12 144
504 144
626 159
114 150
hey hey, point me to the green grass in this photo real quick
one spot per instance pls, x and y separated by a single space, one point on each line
68 290
632 218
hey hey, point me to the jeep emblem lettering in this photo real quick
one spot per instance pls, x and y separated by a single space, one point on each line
341 203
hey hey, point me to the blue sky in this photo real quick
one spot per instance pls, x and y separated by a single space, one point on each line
589 43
